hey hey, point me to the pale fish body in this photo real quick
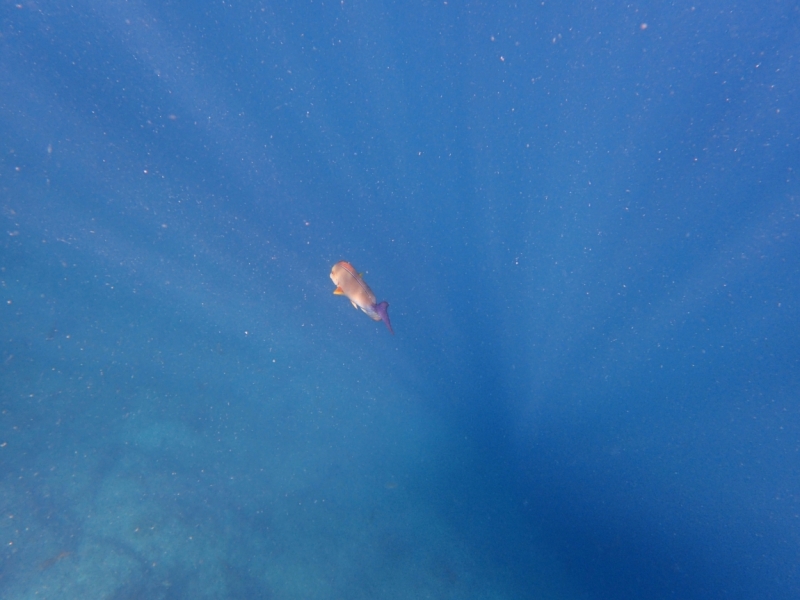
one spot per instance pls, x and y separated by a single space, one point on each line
349 283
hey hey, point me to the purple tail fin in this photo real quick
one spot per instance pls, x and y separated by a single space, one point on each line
383 310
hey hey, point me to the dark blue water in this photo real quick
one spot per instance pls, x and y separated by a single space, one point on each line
585 218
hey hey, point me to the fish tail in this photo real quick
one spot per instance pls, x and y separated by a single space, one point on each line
383 310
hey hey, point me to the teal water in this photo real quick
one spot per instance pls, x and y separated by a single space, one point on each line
584 218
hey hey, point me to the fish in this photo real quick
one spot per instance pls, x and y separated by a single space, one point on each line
349 283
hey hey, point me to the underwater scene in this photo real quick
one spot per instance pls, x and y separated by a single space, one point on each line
399 300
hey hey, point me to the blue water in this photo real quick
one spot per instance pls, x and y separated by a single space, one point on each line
585 219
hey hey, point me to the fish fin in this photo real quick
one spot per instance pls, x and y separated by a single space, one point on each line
383 310
354 304
338 291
